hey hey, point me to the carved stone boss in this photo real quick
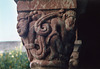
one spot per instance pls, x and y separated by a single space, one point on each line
47 30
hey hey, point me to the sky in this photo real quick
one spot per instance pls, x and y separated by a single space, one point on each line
8 21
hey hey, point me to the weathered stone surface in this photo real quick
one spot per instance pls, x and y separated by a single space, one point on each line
46 4
73 62
48 32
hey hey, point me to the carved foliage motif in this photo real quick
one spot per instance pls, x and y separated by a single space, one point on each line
48 36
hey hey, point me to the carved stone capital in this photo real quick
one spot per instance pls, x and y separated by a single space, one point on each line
47 30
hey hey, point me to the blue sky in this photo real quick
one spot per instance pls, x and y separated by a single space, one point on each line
8 21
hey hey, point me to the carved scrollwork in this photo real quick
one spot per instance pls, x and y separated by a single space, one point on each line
44 36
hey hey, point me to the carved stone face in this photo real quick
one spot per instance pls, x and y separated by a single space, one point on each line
69 23
22 26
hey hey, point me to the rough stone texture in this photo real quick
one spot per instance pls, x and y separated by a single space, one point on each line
47 30
73 62
74 58
46 4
